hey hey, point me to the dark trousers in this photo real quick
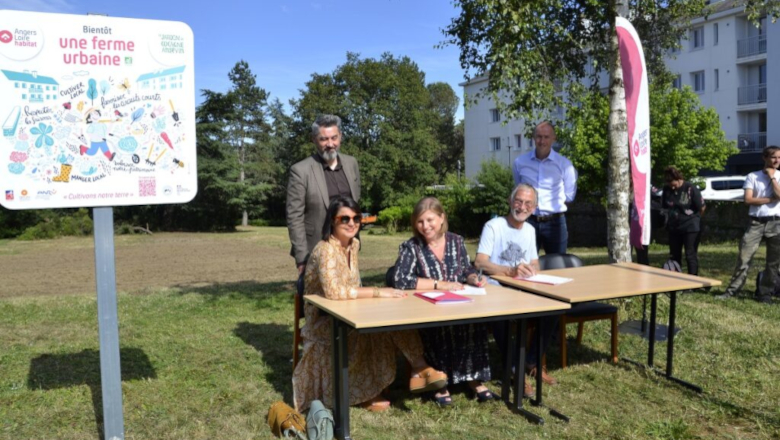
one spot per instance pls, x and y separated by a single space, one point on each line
642 255
501 334
687 239
552 235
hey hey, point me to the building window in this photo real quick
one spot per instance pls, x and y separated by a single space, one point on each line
677 83
697 38
715 34
697 79
47 87
519 141
24 85
16 84
495 116
24 96
495 144
717 79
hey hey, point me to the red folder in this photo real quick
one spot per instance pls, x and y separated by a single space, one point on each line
445 298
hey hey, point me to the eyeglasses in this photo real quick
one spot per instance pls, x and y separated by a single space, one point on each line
517 202
344 219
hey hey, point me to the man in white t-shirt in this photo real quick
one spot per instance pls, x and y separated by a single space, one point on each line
508 247
762 194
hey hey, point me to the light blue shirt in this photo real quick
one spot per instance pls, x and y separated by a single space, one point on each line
554 178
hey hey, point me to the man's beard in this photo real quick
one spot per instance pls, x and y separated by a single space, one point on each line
329 155
517 216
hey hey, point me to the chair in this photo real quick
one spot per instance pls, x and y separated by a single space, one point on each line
297 323
580 313
390 277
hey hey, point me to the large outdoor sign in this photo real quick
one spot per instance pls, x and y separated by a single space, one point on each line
96 111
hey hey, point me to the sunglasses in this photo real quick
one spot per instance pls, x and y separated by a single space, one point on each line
344 219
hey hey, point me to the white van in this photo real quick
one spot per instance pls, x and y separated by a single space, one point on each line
728 188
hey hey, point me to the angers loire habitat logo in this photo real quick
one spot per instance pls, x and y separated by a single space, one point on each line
6 36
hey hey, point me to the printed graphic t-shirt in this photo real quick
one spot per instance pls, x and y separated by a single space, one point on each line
506 245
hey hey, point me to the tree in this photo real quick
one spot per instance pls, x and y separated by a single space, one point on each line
444 104
282 146
532 50
388 123
92 90
241 116
683 133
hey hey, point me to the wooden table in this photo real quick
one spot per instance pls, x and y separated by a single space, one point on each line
621 280
386 314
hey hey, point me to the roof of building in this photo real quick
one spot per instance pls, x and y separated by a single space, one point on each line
161 73
29 77
725 5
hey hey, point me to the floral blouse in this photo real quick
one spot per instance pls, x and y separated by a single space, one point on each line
417 260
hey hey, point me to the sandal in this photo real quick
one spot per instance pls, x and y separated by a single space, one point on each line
441 401
484 396
377 404
428 380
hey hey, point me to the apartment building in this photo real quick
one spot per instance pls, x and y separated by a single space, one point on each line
726 60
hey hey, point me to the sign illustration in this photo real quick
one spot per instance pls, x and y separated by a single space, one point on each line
96 111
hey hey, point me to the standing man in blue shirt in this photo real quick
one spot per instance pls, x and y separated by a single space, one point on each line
555 180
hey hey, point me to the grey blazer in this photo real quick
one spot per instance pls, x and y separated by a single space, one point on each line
307 202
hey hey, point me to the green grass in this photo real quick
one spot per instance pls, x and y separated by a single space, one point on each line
207 362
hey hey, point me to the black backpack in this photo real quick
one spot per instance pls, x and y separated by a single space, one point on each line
760 278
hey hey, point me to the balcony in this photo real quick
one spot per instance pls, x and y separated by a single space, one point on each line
751 142
751 94
752 46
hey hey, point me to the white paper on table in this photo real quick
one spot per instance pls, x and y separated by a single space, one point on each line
546 279
471 290
432 295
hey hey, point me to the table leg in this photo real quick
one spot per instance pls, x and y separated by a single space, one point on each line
670 347
340 379
510 355
521 335
539 333
651 345
539 338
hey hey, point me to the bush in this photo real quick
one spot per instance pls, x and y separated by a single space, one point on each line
79 223
391 217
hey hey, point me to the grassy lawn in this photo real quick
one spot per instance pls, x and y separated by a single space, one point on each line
204 357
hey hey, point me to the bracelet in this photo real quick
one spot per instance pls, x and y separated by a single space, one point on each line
435 284
377 292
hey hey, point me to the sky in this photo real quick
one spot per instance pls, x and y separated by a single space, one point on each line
286 41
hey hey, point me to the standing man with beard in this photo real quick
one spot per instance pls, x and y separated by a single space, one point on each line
508 247
314 182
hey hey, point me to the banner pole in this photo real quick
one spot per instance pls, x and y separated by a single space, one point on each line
108 324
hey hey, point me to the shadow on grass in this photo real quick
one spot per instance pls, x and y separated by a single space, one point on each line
53 371
274 343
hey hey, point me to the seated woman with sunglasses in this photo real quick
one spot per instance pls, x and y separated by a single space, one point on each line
435 259
332 272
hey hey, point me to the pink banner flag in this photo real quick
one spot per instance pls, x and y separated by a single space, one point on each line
632 60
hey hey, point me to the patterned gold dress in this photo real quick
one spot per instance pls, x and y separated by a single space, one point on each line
332 272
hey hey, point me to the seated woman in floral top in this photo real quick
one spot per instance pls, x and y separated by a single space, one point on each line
332 272
435 259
